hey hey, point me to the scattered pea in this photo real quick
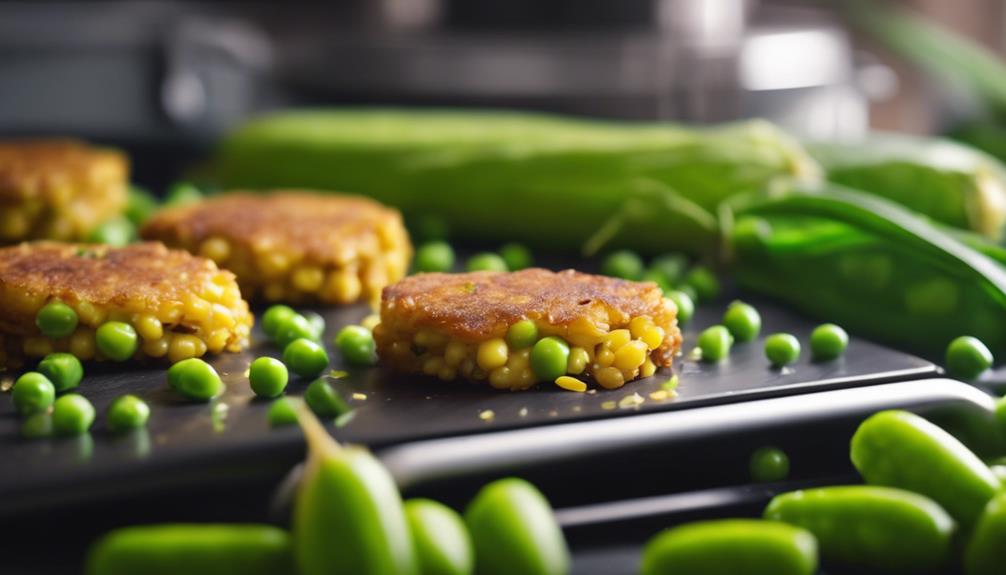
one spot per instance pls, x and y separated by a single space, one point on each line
486 261
56 320
282 412
967 357
671 267
443 545
127 412
72 414
268 376
663 284
317 323
116 340
117 232
782 349
516 256
688 291
182 193
828 341
33 393
305 357
769 464
623 264
522 334
62 369
356 343
36 426
434 257
685 305
140 205
295 327
274 318
715 343
704 282
323 400
743 321
195 379
549 358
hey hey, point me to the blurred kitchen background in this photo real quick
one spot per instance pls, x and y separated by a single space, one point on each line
166 78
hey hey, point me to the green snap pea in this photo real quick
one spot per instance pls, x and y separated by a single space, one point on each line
486 261
967 357
782 349
116 340
623 264
769 464
357 345
56 320
116 232
305 357
127 412
704 282
323 400
730 547
435 256
685 305
274 318
140 205
36 426
72 414
281 412
33 393
985 553
268 377
743 321
516 256
295 327
871 527
192 549
827 342
441 540
901 449
62 369
522 334
195 379
715 343
348 516
182 193
549 358
514 530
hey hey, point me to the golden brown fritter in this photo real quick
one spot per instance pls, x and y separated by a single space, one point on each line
293 246
436 323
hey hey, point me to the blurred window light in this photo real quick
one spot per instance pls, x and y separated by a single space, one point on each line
785 60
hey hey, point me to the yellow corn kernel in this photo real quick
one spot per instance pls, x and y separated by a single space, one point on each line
371 321
605 357
212 292
308 278
447 373
82 344
231 296
184 346
432 365
222 316
630 356
492 354
155 347
37 346
273 264
25 302
343 286
609 377
618 338
648 368
273 291
430 339
525 379
149 327
570 383
90 314
217 340
14 224
653 337
120 315
167 312
197 309
216 249
467 367
455 353
500 378
400 351
639 325
577 361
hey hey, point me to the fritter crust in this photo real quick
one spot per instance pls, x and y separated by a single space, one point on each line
34 168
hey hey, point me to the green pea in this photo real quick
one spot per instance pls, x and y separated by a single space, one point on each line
743 321
704 282
443 545
116 232
652 276
33 393
268 377
514 530
967 357
72 414
827 342
715 343
282 412
127 412
901 449
670 267
782 349
356 343
62 369
182 193
434 257
194 549
877 528
323 400
116 340
769 464
195 379
317 323
140 205
516 256
623 264
688 291
731 546
549 358
274 318
486 261
37 426
522 334
305 357
685 305
985 553
295 327
56 320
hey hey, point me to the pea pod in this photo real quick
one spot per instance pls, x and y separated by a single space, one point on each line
514 531
443 546
901 449
986 551
731 546
348 515
193 549
875 527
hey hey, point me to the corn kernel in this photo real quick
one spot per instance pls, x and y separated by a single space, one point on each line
525 379
570 383
156 347
212 292
273 291
577 361
430 339
468 367
455 353
37 346
648 368
90 314
609 377
222 316
519 360
273 264
82 344
639 325
653 337
308 278
605 357
149 327
343 286
500 377
447 373
168 312
14 224
197 309
217 340
618 338
492 354
183 346
371 321
630 356
216 249
432 365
